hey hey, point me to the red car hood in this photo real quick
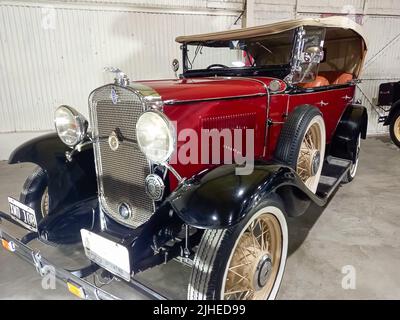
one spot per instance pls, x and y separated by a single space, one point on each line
181 90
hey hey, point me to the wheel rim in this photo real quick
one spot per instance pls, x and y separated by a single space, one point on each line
311 155
44 203
256 260
397 128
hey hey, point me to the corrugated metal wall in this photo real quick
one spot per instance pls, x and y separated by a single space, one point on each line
55 54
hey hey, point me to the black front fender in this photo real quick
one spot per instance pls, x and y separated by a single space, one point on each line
68 182
220 198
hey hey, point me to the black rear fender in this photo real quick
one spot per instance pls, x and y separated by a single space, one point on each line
353 122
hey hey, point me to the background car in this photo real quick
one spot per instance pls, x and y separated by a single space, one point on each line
389 95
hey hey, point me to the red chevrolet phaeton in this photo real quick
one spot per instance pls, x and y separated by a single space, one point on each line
205 168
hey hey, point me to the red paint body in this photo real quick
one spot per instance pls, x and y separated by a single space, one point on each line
241 103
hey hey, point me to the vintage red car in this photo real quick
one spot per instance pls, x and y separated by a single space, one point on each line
204 168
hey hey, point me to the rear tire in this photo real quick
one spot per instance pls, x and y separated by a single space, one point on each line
301 144
34 193
257 263
394 128
351 174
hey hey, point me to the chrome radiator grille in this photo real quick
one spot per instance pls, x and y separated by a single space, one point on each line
121 173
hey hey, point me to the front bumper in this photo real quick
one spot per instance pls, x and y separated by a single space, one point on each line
65 277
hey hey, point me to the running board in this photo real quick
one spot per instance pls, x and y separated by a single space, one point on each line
333 172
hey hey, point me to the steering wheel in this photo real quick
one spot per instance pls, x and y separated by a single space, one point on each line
216 65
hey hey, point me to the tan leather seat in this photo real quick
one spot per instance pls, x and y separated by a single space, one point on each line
343 78
319 81
336 77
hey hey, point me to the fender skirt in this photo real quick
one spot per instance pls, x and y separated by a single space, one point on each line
68 182
220 198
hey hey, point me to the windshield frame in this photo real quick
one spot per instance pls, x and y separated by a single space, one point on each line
187 71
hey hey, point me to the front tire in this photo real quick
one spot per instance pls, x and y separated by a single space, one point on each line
35 193
244 262
394 128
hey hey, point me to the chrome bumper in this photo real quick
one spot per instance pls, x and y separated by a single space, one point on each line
44 266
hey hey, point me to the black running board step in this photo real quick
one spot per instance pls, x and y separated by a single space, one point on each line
333 172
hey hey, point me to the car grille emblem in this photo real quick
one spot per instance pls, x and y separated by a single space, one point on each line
114 96
113 141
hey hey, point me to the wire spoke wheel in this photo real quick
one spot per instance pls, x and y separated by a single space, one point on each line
396 128
44 203
255 262
245 261
309 159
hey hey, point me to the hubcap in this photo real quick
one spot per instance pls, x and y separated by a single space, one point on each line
316 160
263 272
255 261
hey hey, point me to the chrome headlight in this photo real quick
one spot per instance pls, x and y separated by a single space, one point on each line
71 126
155 136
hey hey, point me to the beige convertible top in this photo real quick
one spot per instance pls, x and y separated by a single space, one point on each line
345 40
274 28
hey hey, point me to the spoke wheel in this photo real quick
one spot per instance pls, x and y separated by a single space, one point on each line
394 128
245 261
255 262
309 160
397 128
44 203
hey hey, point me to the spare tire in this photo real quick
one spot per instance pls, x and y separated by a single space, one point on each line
301 144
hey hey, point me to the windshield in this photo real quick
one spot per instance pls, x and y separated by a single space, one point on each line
268 51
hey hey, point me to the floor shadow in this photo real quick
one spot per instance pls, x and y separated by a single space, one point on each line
299 227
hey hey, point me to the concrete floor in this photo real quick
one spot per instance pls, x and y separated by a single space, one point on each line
359 227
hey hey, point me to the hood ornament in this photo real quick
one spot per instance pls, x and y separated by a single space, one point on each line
120 78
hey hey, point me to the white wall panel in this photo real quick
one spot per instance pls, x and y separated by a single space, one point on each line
331 6
55 56
382 62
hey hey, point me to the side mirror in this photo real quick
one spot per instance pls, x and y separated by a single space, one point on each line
175 65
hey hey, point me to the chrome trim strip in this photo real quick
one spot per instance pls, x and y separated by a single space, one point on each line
171 102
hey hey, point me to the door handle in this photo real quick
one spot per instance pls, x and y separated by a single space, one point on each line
322 103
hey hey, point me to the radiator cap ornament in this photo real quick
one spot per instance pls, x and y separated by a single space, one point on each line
154 186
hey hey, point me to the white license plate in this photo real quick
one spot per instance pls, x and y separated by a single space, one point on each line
23 214
108 254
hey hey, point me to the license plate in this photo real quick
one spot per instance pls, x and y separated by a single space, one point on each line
108 254
23 214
